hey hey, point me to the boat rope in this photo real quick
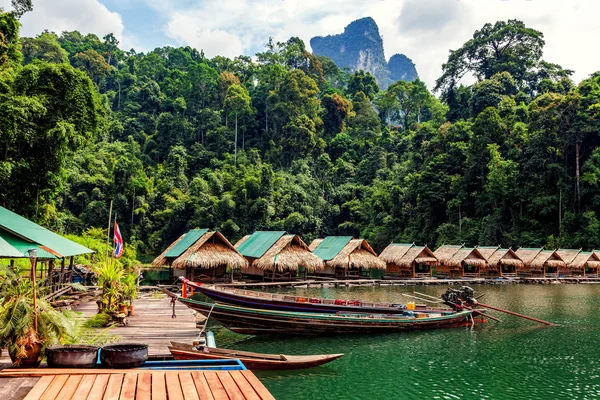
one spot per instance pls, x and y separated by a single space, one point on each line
206 321
173 303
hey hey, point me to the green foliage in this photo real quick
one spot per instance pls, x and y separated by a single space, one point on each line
44 47
293 142
18 316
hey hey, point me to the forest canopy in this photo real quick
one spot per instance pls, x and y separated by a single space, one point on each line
288 141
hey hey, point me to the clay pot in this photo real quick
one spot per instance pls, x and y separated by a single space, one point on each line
123 309
33 359
131 311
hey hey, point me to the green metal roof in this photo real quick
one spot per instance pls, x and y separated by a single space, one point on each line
331 246
188 239
33 232
8 251
22 246
259 242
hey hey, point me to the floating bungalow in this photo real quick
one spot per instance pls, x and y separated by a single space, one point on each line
201 255
276 254
409 260
459 261
588 261
579 263
501 262
345 256
540 262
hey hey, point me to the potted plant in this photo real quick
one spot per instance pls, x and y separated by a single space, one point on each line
28 325
109 277
130 290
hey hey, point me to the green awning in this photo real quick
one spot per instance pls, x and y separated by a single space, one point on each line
331 247
259 242
35 233
188 239
23 246
8 251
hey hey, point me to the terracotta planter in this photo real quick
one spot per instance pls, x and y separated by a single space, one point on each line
131 309
33 359
123 309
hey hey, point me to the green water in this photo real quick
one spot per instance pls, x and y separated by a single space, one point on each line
515 359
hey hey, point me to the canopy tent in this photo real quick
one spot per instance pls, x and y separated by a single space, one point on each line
202 255
275 253
409 260
346 256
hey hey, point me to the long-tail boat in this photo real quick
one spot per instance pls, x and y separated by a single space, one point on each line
284 302
254 321
252 361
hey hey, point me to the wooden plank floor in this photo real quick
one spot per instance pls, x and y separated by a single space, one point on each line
152 324
145 385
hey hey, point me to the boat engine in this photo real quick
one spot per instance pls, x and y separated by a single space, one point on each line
456 298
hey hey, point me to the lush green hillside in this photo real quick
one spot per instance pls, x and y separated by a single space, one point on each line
288 141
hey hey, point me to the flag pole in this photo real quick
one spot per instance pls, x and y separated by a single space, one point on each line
112 253
108 231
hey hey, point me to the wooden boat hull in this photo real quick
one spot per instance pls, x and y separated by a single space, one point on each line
257 361
267 301
257 322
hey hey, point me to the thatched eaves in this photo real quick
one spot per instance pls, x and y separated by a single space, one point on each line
161 259
212 250
356 253
498 255
568 255
445 252
586 259
528 255
288 253
468 256
404 255
549 258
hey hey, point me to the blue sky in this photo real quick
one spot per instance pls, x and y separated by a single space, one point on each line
424 30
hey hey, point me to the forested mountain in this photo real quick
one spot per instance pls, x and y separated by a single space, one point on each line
288 141
360 47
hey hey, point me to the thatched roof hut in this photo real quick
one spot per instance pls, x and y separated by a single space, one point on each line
344 252
201 249
588 261
540 261
501 261
460 259
528 254
403 259
276 252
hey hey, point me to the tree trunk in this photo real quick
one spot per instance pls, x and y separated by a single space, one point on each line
235 143
577 193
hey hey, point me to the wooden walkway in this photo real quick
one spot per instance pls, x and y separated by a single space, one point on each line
148 385
152 324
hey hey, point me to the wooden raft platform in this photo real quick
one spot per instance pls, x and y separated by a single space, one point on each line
145 385
152 324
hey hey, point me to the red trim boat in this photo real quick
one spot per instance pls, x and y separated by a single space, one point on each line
284 302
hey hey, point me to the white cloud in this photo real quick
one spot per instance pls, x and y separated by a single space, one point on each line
86 16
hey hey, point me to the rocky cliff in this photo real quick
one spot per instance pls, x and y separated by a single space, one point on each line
360 46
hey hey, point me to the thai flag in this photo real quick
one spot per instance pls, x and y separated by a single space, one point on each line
118 239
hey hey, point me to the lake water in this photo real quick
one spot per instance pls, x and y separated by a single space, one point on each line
515 359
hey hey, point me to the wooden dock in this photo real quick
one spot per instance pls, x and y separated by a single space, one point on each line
140 385
153 324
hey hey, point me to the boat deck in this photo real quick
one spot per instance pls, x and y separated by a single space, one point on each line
135 384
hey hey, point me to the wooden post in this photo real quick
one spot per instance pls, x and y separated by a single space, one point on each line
49 274
71 269
62 271
108 231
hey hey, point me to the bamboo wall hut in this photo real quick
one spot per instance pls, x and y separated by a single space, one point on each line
568 256
540 262
588 262
444 254
345 256
201 255
275 254
409 260
501 262
460 260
